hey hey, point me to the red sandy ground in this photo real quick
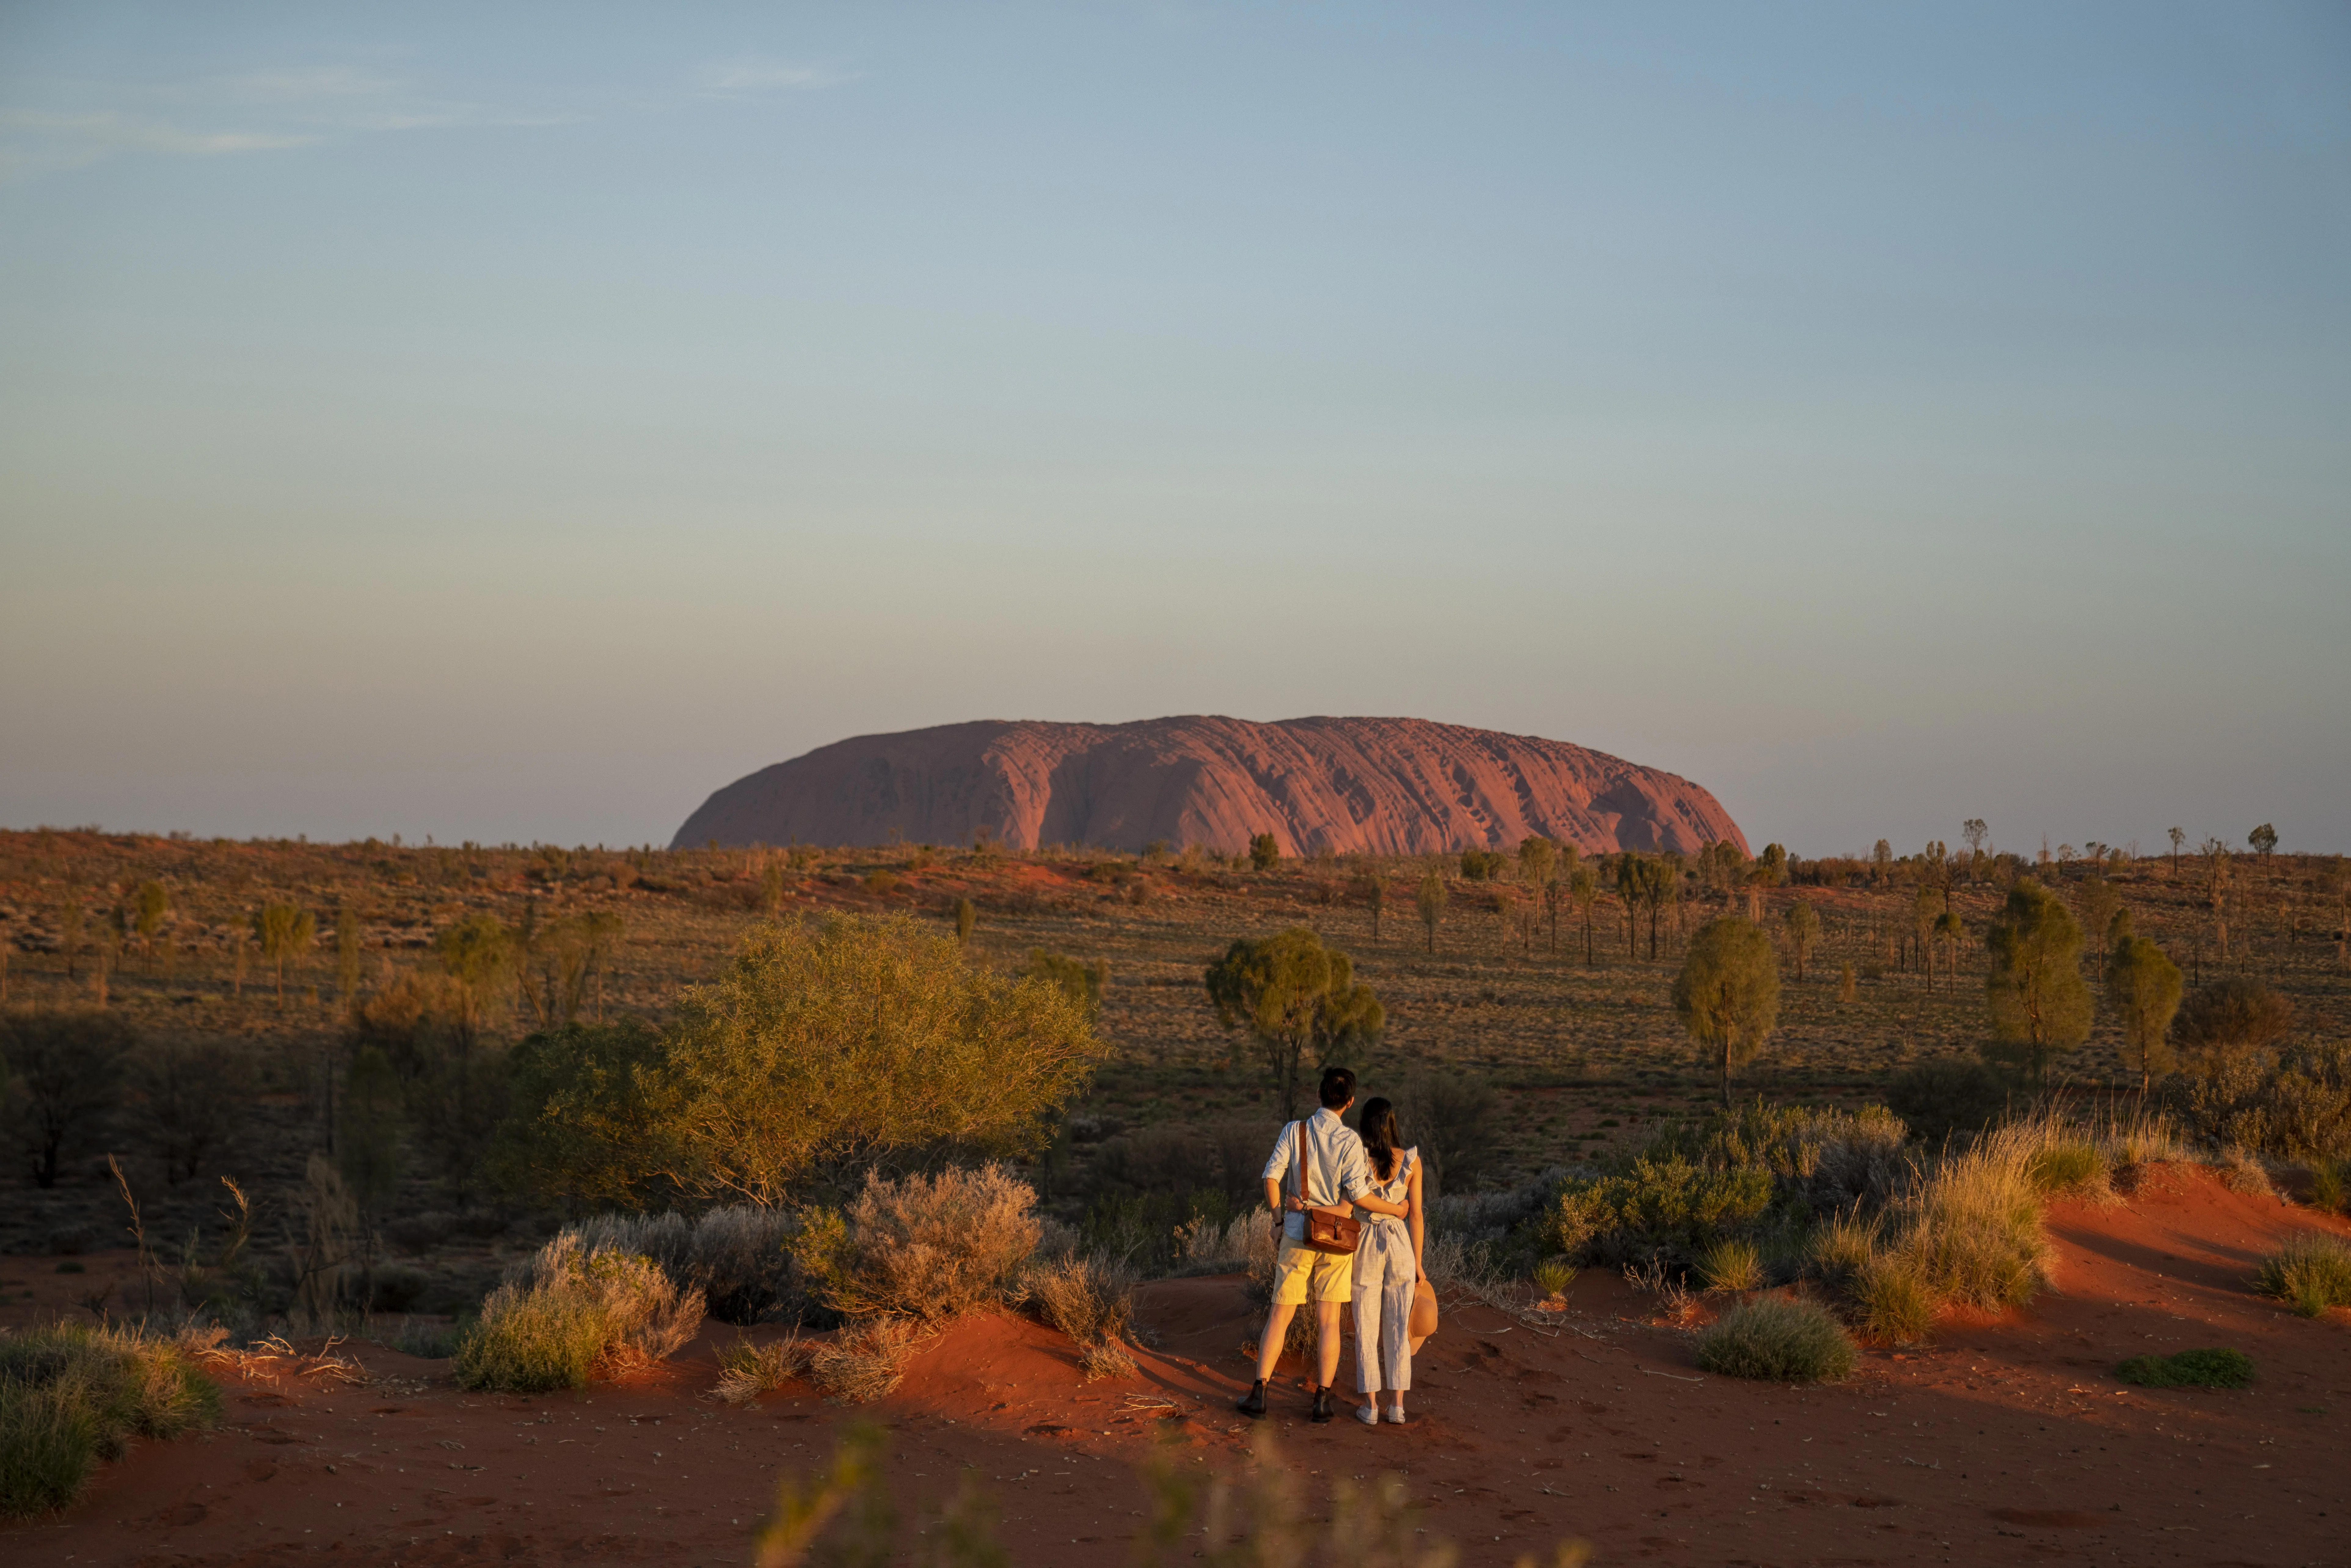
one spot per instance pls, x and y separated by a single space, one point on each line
2003 1442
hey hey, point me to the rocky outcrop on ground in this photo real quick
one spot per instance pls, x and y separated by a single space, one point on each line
1382 786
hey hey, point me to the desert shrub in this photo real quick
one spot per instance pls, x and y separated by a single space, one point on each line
2236 1014
2215 1368
1091 1299
927 1248
2063 1159
60 1083
2241 1171
1447 1115
576 1314
1552 1276
747 1370
2297 1106
1824 1159
2310 1274
1784 1340
1731 1265
71 1395
1081 979
822 1051
865 1359
1666 1205
1947 1096
738 1256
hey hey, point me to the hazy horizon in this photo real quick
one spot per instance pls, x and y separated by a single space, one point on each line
516 426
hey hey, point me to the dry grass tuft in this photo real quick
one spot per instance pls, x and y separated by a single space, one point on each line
2310 1274
866 1360
747 1370
1091 1299
576 1313
2240 1170
71 1395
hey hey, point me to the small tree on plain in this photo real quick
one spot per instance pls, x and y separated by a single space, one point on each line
2097 904
1881 863
1804 924
285 932
2143 987
2264 843
1293 994
1536 858
1925 904
1584 888
1430 901
1949 929
347 953
2178 836
966 919
1728 992
64 1082
151 906
1372 889
1264 852
2039 1005
191 1102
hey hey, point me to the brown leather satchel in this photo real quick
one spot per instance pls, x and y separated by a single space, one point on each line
1327 1229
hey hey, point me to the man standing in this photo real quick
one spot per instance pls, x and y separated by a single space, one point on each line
1334 1173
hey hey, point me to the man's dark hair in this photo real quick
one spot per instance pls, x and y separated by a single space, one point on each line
1338 1087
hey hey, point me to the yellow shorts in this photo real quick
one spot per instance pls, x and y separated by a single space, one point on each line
1300 1274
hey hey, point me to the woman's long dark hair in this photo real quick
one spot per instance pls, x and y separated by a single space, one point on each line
1380 1136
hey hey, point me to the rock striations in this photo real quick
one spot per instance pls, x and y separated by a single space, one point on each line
1384 786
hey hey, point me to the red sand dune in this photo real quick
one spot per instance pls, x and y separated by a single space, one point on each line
2001 1442
1385 786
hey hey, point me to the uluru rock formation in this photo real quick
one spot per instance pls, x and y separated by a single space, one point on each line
1383 785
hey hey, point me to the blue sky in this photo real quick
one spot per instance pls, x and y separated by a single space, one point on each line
514 422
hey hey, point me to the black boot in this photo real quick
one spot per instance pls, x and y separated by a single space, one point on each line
1253 1403
1323 1411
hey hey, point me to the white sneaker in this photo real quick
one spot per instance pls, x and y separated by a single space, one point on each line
1367 1415
1394 1415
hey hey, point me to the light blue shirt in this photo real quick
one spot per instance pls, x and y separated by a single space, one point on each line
1336 1170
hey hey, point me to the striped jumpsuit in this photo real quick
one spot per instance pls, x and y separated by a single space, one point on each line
1385 1272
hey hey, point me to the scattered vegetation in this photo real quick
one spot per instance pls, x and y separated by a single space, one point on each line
1784 1340
73 1394
846 1512
2218 1368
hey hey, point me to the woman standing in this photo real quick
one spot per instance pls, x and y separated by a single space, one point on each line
1387 1263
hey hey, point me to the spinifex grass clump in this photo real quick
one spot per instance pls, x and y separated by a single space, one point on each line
1732 1266
71 1395
1781 1340
2310 1274
2217 1368
579 1313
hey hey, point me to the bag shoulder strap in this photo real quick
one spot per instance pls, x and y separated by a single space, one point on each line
1300 1125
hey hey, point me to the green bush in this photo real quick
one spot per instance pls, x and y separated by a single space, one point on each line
71 1395
580 1315
2189 1369
2328 1190
2311 1273
1668 1205
1784 1340
1826 1159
